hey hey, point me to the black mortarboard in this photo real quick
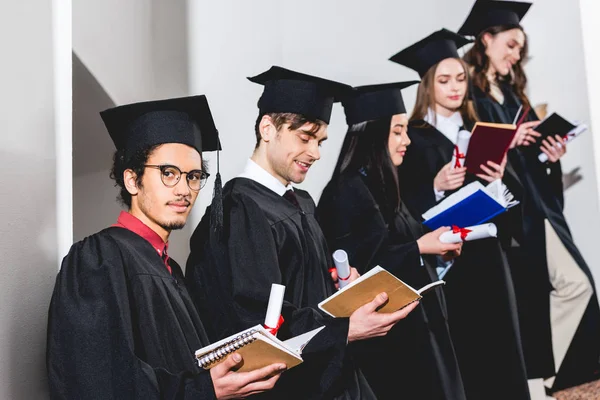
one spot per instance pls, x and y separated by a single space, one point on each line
427 52
288 91
486 13
185 120
372 102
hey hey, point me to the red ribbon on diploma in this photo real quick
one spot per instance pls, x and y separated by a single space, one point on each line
458 155
339 277
273 331
568 136
463 231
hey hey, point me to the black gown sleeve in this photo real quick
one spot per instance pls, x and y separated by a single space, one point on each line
254 266
249 266
352 221
91 352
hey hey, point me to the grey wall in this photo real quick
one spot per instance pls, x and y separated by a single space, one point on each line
27 196
125 52
351 42
557 76
136 50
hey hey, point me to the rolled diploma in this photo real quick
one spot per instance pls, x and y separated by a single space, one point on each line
462 142
483 231
578 130
275 304
340 259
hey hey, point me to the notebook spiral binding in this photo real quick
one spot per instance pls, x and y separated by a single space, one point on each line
218 354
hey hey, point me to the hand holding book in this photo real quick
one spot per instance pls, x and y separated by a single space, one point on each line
526 134
366 322
228 382
557 132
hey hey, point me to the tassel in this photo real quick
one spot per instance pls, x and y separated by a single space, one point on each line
216 207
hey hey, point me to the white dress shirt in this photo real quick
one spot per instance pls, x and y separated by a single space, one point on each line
449 127
259 174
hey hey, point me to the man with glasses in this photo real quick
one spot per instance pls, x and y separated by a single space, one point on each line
121 323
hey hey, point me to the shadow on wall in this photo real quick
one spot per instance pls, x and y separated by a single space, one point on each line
94 194
32 268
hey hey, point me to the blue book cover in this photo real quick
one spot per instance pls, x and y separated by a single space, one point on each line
475 209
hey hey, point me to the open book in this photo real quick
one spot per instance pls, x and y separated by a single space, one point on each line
258 349
473 204
555 124
489 142
364 289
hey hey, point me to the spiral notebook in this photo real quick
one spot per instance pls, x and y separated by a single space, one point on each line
363 290
258 348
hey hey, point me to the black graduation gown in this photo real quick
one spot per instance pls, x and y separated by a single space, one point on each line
121 327
482 309
419 348
266 240
542 198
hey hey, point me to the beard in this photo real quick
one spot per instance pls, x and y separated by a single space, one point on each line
172 225
175 223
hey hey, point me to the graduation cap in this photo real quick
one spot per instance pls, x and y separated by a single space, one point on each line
427 52
372 102
486 13
288 91
185 120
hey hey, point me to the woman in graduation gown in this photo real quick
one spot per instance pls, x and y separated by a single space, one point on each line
482 309
361 212
499 84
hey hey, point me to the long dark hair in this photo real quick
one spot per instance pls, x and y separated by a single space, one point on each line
365 149
480 62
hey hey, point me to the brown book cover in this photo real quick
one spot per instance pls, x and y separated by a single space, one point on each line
489 142
362 291
258 349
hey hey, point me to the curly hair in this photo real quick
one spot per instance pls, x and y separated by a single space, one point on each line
135 163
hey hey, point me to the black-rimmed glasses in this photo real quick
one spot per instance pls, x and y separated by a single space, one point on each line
170 176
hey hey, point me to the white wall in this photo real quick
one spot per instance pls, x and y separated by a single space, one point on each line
350 42
126 51
557 76
589 9
27 196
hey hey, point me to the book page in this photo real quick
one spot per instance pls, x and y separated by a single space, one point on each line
494 125
273 341
297 343
431 286
499 192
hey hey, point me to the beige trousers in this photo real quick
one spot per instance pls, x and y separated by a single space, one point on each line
569 299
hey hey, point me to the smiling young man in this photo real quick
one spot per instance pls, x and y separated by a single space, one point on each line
270 235
122 324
